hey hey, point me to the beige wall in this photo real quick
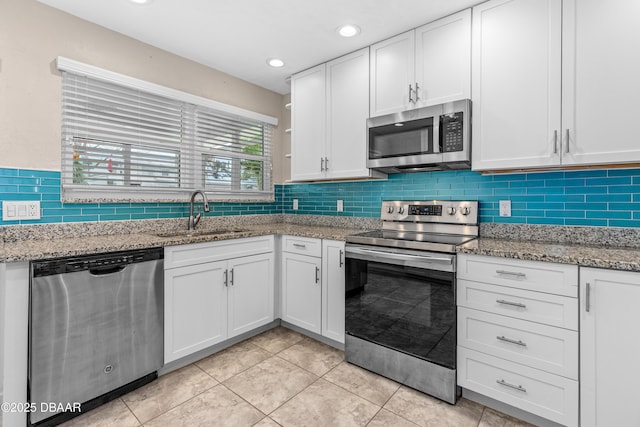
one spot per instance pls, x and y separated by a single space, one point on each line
32 35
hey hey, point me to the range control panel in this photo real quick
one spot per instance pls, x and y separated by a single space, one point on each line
439 211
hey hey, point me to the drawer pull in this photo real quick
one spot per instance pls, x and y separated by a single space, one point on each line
505 339
511 273
317 274
515 387
587 302
300 245
515 304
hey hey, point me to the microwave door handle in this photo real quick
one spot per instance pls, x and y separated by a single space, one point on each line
436 135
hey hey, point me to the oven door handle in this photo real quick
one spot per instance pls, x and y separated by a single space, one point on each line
380 255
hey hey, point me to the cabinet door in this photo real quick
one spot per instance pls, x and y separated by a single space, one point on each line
347 112
308 124
301 291
443 59
195 314
601 39
609 347
516 79
333 290
251 293
392 71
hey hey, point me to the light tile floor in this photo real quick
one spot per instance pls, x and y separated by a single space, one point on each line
281 377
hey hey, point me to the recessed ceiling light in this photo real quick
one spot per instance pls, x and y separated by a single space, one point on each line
348 30
140 1
275 62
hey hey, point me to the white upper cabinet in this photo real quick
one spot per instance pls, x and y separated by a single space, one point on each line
426 66
347 113
392 74
443 60
601 65
330 106
554 82
516 84
308 124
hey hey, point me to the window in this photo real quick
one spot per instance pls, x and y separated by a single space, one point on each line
127 139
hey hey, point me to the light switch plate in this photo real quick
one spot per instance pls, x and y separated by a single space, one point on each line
505 207
14 211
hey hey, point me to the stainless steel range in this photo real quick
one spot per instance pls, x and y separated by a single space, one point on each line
400 293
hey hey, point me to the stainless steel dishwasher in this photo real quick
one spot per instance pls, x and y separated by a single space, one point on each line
95 330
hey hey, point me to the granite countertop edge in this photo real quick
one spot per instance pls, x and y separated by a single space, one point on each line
47 247
596 256
58 247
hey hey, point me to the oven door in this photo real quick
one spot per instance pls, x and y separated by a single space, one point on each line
403 300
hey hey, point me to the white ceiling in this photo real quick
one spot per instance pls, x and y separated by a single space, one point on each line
237 36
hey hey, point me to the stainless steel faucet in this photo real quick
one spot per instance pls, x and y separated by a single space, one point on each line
193 220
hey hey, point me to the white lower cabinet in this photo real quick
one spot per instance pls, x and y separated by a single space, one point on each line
518 334
211 301
333 290
312 278
301 291
609 347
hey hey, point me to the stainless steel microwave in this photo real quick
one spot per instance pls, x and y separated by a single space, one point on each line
424 139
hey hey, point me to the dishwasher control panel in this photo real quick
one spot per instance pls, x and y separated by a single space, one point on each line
92 262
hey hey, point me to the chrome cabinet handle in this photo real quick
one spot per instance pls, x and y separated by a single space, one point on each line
299 245
231 277
555 141
509 340
515 387
511 273
321 164
326 164
226 277
587 297
341 259
567 131
416 91
410 97
515 304
317 274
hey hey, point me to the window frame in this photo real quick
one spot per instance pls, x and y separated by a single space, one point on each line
191 165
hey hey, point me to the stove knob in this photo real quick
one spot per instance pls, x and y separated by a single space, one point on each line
451 210
466 211
390 209
401 210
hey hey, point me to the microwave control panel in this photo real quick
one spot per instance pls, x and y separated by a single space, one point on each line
451 132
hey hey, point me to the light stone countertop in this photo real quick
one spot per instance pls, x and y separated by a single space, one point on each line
616 258
584 246
59 246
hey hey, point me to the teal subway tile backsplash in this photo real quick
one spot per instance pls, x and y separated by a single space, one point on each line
23 184
601 197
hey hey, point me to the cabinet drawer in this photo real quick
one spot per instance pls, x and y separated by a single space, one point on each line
302 245
560 279
543 347
541 393
553 310
199 253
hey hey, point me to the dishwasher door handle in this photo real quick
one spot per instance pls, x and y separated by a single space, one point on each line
106 270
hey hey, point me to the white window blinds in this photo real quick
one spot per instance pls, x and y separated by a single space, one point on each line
121 142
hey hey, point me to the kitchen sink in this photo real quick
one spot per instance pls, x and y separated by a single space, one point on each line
190 233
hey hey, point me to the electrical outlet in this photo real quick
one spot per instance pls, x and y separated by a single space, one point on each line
295 204
340 206
14 211
505 207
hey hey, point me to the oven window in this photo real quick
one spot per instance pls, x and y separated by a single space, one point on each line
404 308
414 138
